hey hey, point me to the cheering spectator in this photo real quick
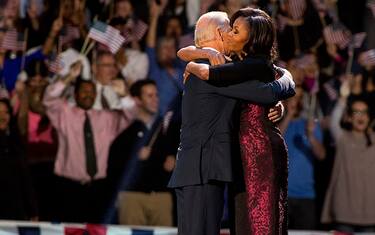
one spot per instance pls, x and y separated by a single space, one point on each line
349 201
304 140
141 161
17 201
85 136
165 69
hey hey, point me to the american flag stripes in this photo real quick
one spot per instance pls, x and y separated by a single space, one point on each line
357 39
166 120
331 92
139 29
339 36
14 41
368 58
305 60
296 8
56 65
106 35
134 30
68 34
126 33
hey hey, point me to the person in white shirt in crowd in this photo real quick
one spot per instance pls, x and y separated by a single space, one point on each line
109 89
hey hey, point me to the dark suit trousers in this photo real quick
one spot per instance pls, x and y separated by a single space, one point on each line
200 209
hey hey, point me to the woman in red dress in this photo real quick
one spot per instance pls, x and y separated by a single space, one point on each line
263 150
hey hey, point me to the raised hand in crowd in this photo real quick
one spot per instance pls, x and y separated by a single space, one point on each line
55 30
317 147
155 9
78 18
74 72
121 58
155 12
118 85
332 50
32 12
345 87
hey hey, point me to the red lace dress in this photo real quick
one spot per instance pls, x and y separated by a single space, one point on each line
265 164
263 152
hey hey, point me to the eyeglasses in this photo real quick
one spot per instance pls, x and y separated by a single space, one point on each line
359 112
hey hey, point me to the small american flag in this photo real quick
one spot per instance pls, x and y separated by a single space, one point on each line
56 65
305 60
296 8
127 34
14 41
68 34
166 120
357 39
339 36
139 29
371 5
368 57
331 91
106 35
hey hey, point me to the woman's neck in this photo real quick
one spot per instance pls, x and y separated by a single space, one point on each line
357 133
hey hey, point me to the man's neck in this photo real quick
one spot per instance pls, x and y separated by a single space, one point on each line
145 117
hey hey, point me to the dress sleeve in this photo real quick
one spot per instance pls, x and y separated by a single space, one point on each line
260 92
241 71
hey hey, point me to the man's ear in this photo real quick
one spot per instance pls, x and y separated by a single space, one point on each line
219 34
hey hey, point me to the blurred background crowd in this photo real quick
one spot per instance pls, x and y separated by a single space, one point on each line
90 134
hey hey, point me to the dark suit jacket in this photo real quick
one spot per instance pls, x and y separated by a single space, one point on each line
206 137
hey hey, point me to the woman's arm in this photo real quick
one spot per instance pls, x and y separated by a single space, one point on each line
237 72
339 110
234 72
191 53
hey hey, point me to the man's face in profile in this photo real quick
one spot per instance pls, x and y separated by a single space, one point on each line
224 31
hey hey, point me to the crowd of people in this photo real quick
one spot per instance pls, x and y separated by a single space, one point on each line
81 129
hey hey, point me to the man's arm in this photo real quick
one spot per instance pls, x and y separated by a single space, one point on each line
260 92
234 72
52 98
191 53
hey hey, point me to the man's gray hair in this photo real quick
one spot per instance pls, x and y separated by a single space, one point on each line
205 29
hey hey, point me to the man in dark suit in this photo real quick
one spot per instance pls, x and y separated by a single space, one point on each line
204 160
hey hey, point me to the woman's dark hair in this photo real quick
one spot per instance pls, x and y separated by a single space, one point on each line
351 101
262 38
136 88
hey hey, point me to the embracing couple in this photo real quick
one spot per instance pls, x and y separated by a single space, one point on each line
227 117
